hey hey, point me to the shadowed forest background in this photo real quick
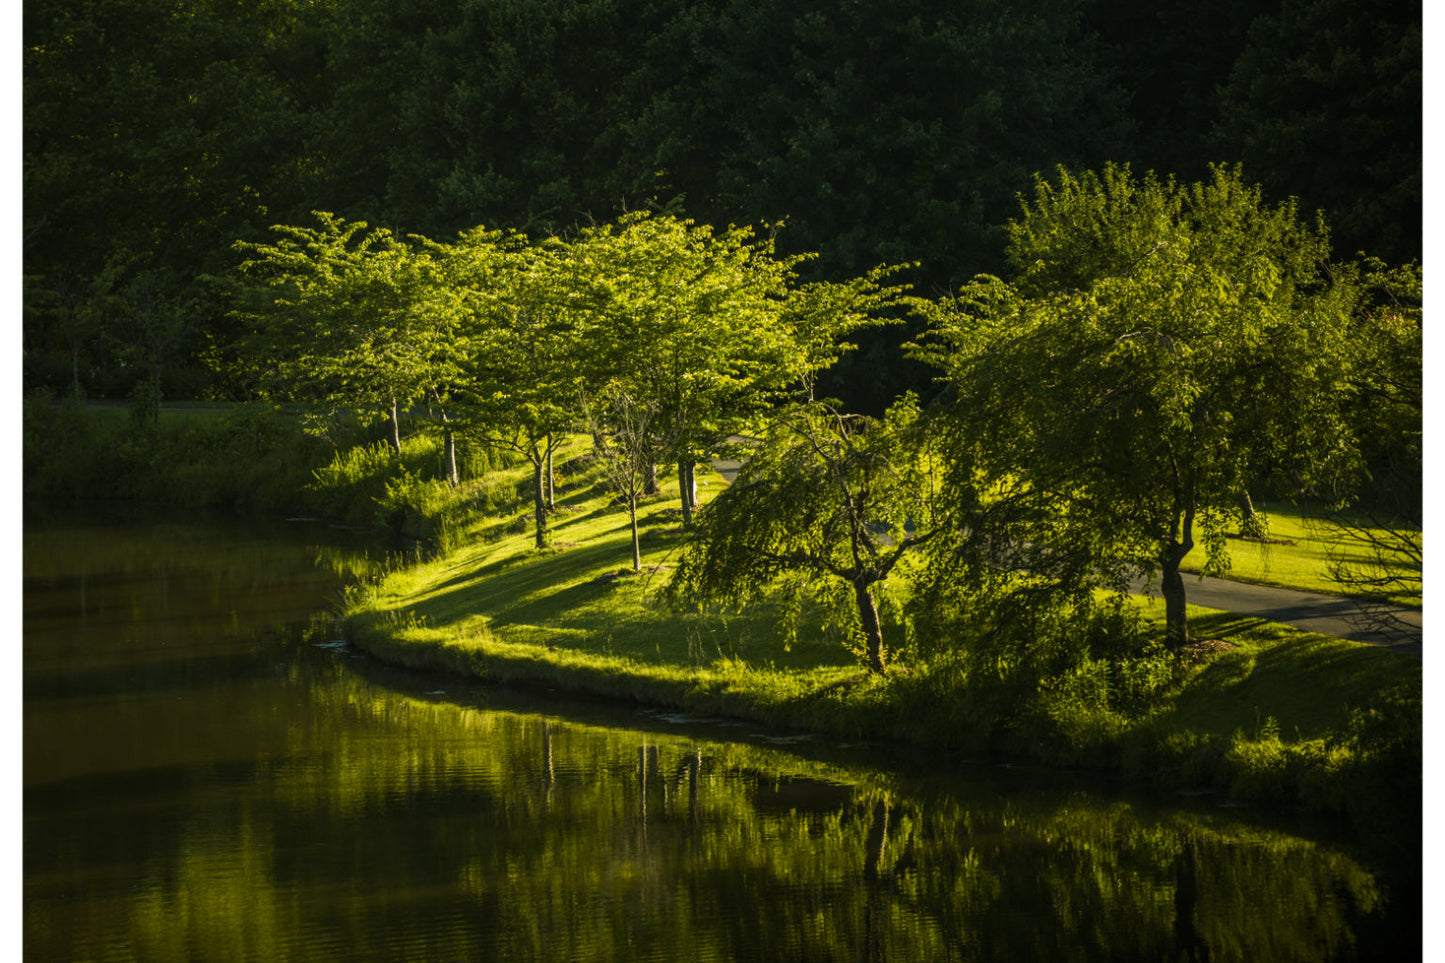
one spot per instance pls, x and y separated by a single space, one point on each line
158 133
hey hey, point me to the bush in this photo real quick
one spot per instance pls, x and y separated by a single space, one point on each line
419 508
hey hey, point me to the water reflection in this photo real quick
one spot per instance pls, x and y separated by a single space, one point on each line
244 796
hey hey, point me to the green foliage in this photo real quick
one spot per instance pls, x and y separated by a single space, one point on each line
883 132
829 504
252 458
1094 690
1162 348
344 317
1323 104
707 329
690 321
65 452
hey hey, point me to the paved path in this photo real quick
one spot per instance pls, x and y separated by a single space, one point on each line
1331 615
1339 618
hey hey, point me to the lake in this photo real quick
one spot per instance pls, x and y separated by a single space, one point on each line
209 774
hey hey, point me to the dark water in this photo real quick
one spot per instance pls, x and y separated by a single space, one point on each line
202 783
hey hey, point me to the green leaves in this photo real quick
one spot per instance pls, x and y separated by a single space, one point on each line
1157 354
346 314
828 501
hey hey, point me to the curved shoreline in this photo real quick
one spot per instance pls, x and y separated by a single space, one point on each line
923 711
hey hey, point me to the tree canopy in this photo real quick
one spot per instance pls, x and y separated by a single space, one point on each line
1161 348
882 133
827 507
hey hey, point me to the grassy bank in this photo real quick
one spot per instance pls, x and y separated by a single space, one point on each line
1269 715
1272 715
256 459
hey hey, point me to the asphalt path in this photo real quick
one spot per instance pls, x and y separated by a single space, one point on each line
1331 615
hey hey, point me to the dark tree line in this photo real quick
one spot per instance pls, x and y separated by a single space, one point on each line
157 132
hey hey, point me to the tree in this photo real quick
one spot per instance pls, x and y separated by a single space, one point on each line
1377 553
834 502
691 323
1161 348
620 425
346 316
156 319
153 127
1325 101
519 339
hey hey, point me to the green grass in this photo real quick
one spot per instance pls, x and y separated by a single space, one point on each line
1297 555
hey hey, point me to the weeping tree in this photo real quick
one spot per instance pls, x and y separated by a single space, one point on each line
828 508
1160 348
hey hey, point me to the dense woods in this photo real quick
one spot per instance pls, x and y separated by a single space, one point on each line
159 132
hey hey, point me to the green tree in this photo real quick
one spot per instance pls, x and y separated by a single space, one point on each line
1325 103
693 323
156 128
347 316
1170 57
1161 348
155 321
829 505
621 427
1378 544
520 348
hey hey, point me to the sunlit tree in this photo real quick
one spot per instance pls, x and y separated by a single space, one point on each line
343 315
1160 348
827 508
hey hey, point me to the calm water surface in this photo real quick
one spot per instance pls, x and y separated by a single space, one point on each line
200 783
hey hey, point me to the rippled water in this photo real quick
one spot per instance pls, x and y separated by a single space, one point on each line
202 784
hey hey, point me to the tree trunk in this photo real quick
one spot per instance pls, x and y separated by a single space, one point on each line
649 479
872 627
636 542
156 394
449 453
687 488
539 499
395 438
551 479
1176 618
1252 523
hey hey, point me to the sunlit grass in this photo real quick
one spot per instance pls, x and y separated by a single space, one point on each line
1306 684
577 603
1297 555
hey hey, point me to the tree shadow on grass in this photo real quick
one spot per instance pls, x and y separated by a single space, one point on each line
1308 684
537 587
